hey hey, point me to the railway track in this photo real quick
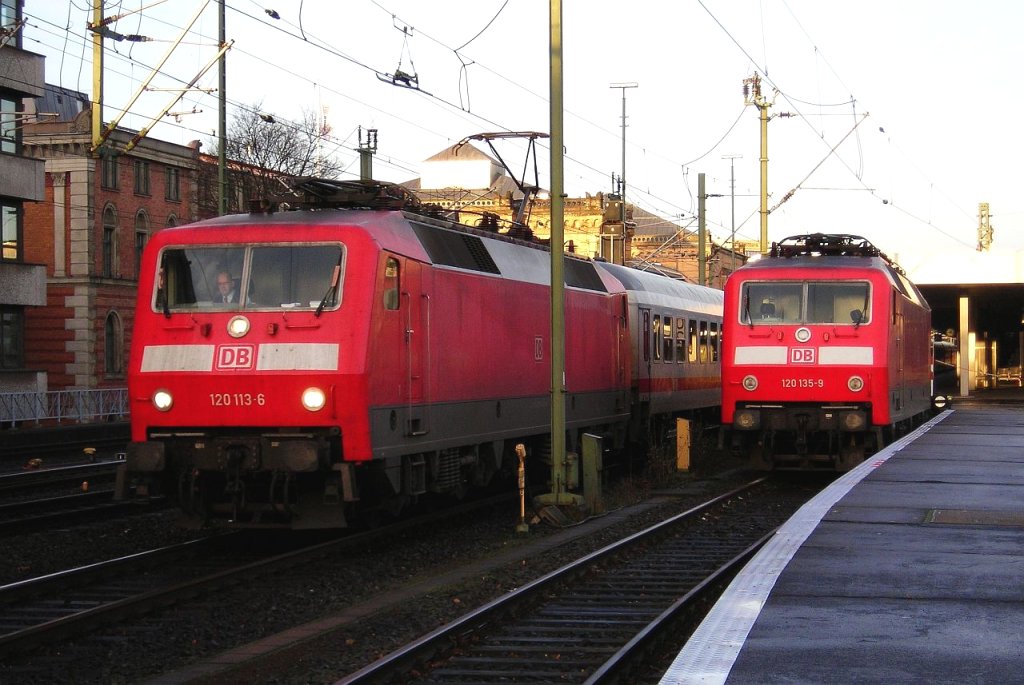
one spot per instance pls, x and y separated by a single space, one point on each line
60 605
593 620
48 610
39 514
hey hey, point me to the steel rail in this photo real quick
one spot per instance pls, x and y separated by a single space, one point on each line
444 637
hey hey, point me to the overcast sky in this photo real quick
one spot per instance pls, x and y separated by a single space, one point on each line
903 112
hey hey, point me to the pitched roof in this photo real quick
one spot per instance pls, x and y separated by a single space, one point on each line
460 152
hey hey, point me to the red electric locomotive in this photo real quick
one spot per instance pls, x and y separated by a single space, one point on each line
367 354
827 353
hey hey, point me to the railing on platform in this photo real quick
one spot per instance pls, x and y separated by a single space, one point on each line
81 406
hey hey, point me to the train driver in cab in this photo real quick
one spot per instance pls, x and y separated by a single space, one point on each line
226 292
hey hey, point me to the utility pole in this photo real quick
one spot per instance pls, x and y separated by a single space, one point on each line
622 178
222 115
732 194
984 227
97 74
559 487
366 151
701 225
752 96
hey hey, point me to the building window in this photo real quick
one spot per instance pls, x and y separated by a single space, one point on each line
9 125
141 236
11 232
109 165
141 177
109 241
171 220
12 338
9 15
173 190
113 346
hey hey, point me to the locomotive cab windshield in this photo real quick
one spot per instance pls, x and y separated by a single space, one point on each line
806 302
249 277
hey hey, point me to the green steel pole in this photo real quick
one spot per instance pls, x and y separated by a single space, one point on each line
222 115
557 264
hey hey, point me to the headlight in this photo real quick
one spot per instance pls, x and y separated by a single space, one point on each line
162 400
313 399
238 326
750 383
855 384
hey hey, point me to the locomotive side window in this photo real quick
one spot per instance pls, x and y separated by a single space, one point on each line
669 342
680 340
391 283
657 337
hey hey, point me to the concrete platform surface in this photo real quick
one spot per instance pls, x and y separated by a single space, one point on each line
908 569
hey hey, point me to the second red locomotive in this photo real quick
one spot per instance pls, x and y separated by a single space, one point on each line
827 353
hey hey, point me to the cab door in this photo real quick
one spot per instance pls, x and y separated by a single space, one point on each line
643 370
416 303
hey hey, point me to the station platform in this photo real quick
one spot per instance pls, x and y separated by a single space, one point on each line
907 569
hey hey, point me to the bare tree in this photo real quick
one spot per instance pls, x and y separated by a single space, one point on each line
261 150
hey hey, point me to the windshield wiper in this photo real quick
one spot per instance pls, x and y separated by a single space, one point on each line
335 277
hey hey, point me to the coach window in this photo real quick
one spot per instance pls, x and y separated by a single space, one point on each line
703 342
713 341
670 345
392 283
693 341
656 330
680 340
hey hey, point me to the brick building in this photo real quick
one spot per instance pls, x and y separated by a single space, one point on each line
96 216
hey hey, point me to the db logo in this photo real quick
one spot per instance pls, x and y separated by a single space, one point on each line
801 355
236 356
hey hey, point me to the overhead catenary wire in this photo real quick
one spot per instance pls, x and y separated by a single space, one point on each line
646 201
